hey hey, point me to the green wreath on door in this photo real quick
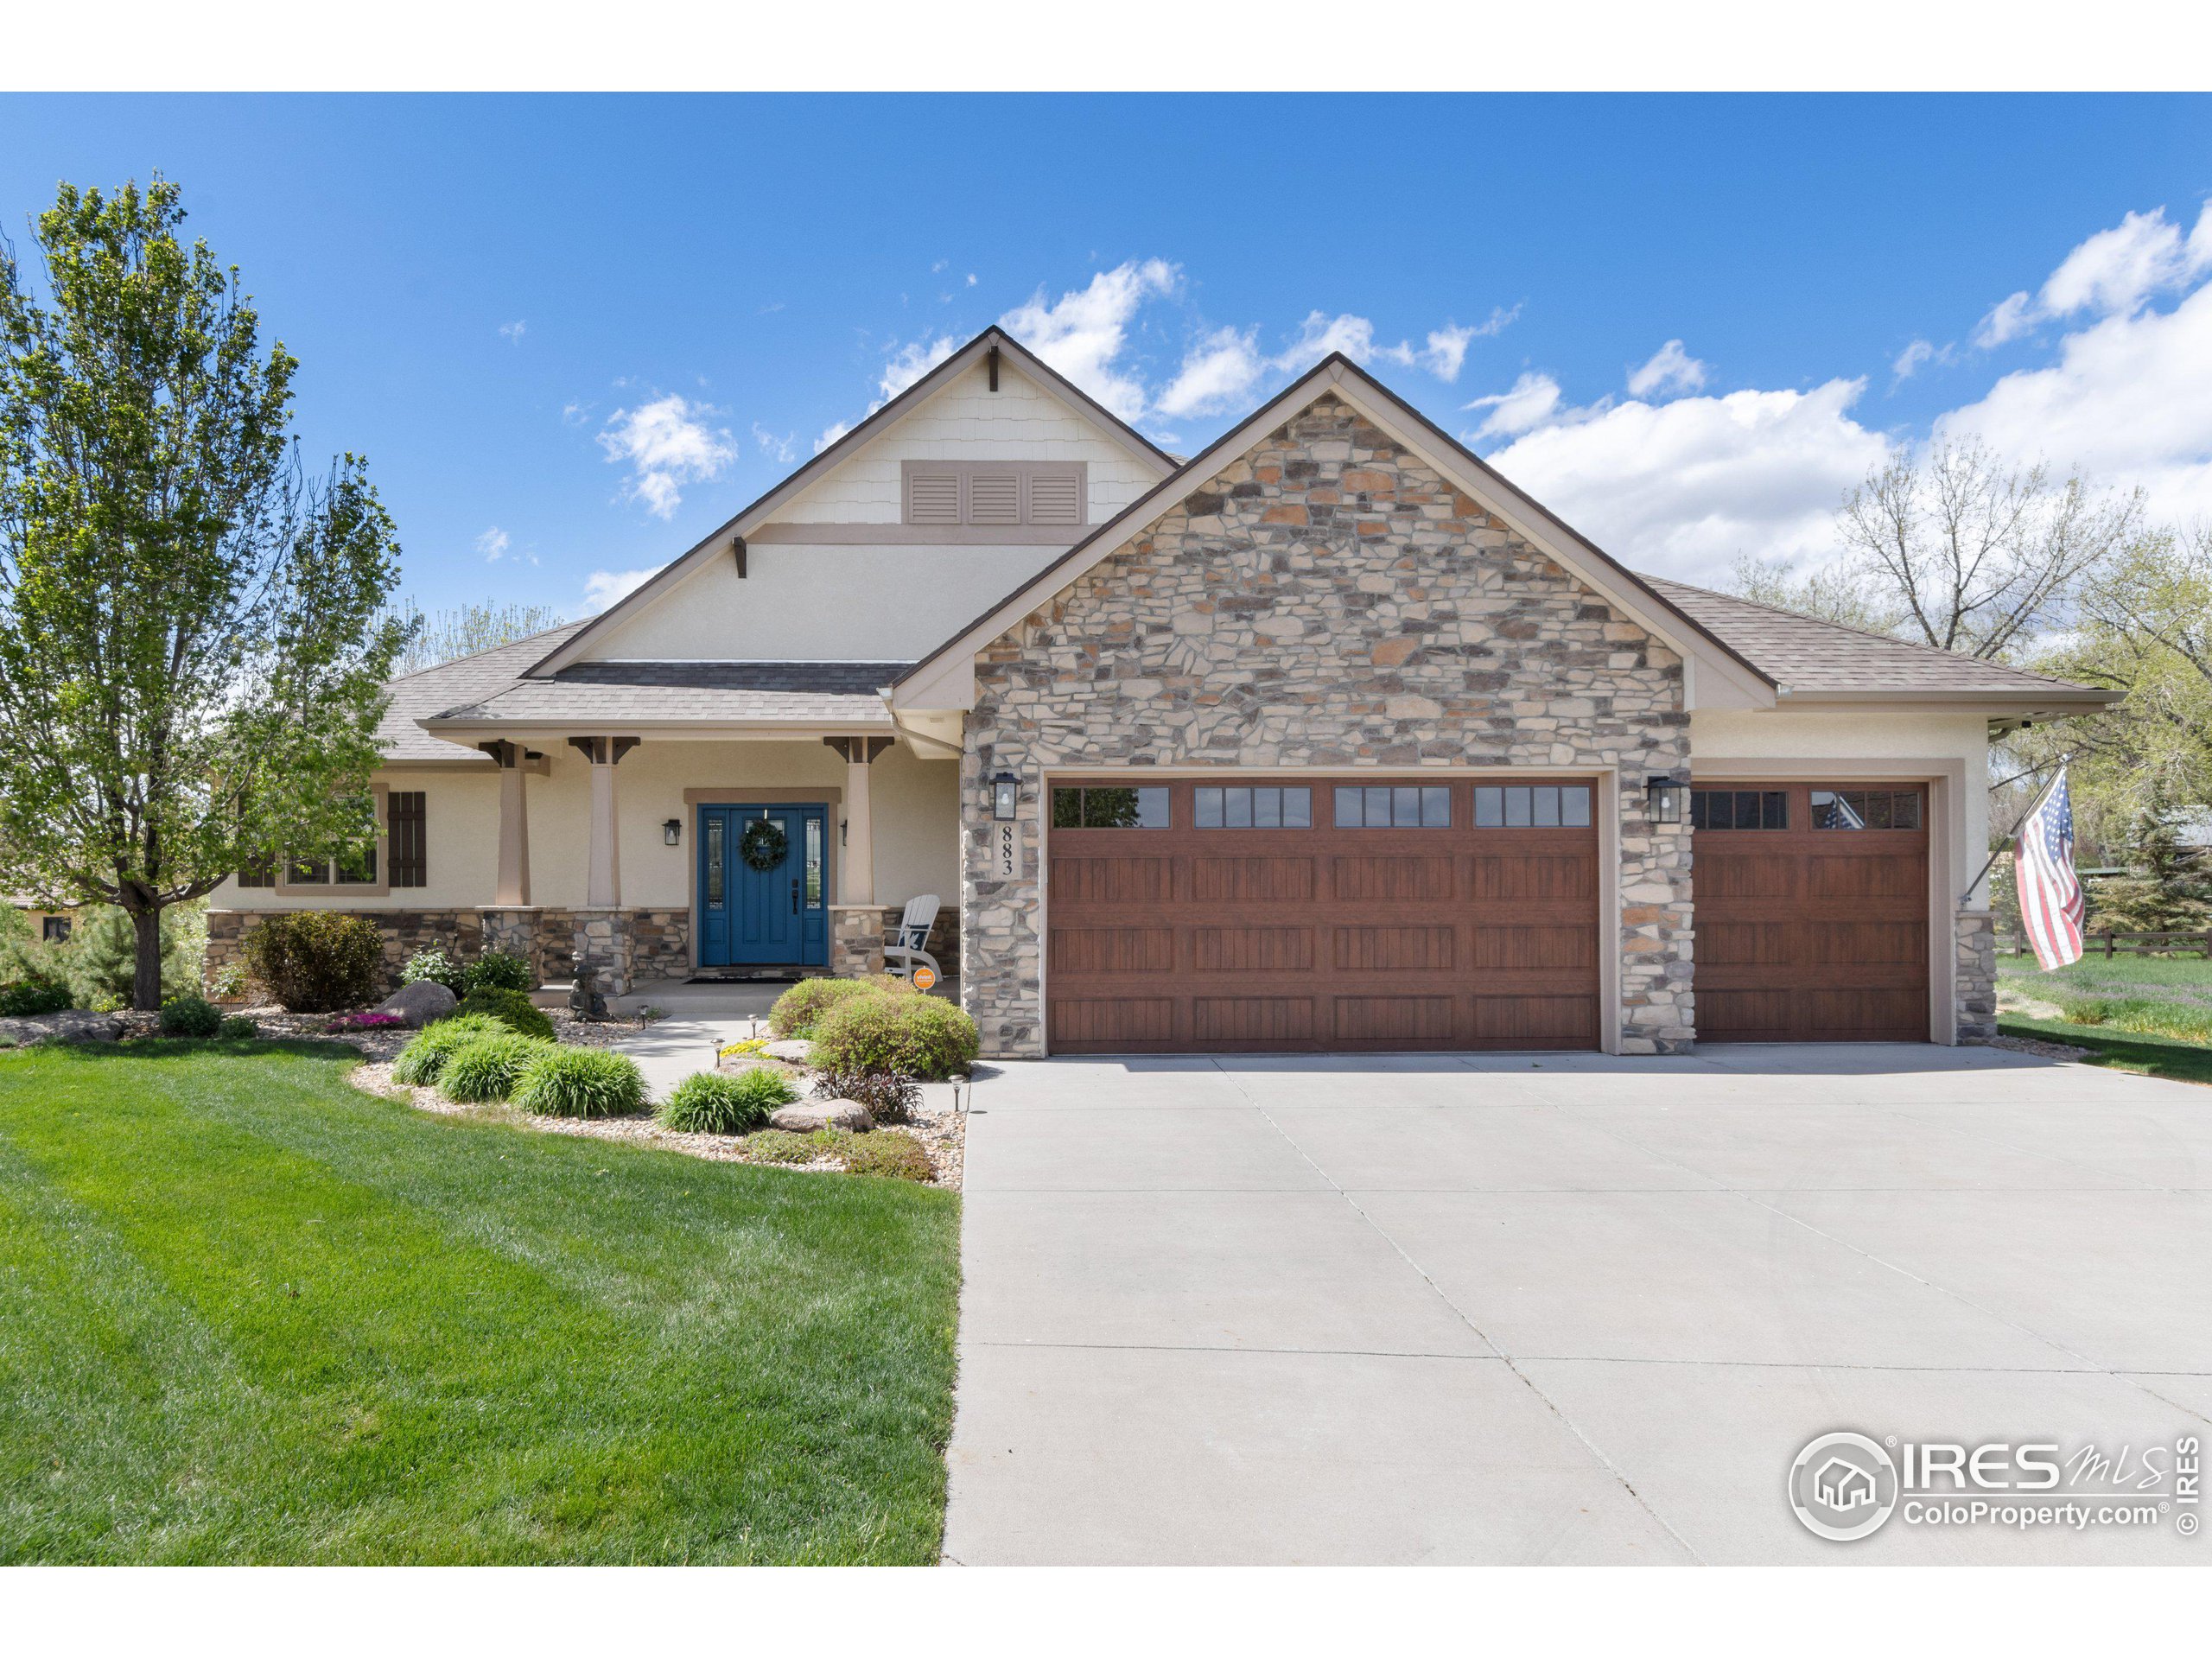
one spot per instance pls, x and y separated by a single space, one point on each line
763 844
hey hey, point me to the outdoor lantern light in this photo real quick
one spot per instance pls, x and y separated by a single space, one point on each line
1663 797
1003 788
672 831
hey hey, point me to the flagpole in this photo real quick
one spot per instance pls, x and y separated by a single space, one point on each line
2013 833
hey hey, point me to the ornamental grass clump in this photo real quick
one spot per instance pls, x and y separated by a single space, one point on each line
717 1103
513 1009
580 1083
490 1067
800 1010
915 1036
426 1055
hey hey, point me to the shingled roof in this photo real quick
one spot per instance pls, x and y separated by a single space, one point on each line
707 693
464 680
1810 658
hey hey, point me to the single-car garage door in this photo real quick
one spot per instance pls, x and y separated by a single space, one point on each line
1812 912
1325 914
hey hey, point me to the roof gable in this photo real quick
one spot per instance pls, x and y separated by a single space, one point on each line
993 344
1717 675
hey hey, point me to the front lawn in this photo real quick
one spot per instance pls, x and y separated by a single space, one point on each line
2179 979
249 1314
2153 1057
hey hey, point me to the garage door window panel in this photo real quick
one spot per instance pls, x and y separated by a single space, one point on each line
1110 808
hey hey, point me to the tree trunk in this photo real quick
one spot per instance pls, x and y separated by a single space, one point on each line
146 982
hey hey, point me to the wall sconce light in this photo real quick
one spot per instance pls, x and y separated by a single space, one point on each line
672 831
1664 797
1005 797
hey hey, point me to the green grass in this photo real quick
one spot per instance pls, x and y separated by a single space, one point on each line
2181 979
2153 1057
250 1314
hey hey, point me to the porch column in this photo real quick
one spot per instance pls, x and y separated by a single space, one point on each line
514 823
856 869
603 885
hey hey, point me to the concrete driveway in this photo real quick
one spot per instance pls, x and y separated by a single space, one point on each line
1559 1308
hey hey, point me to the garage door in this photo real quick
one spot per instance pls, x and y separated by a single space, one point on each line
1812 912
1327 915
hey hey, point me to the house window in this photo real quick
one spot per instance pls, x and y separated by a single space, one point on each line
1536 806
1865 808
996 494
1095 807
1394 806
1258 808
259 872
1739 809
55 930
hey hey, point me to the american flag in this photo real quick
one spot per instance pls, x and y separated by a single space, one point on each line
2042 866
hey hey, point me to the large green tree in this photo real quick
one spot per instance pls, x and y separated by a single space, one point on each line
193 640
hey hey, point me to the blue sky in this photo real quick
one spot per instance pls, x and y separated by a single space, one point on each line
706 285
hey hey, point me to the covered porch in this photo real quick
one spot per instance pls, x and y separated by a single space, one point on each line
736 844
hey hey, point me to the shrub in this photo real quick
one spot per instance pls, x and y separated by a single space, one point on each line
190 1016
426 1055
102 954
888 1097
316 961
800 1009
743 1048
106 1002
498 970
510 1009
917 1036
717 1103
490 1067
900 1157
28 996
783 1146
228 984
239 1029
436 964
577 1082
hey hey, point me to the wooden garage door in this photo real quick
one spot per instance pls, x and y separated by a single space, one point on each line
1812 912
1320 915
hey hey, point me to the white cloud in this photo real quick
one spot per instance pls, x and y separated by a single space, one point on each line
1668 369
2113 273
513 331
603 588
1532 400
831 434
909 364
1914 357
1219 372
1081 332
1447 350
492 545
971 279
1683 487
574 414
777 449
667 444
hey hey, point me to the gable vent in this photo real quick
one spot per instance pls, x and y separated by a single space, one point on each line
1055 498
933 497
995 499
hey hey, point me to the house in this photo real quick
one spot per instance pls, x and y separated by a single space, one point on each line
49 924
1327 738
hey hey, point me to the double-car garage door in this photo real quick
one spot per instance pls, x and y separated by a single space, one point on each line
1330 915
1337 914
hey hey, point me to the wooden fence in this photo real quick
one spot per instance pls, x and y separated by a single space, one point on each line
2123 944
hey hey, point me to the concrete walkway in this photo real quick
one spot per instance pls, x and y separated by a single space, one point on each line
1558 1308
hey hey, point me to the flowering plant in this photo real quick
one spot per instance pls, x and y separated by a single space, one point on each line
373 1020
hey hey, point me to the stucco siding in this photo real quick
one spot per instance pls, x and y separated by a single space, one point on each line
820 604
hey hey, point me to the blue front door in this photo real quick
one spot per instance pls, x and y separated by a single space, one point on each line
764 885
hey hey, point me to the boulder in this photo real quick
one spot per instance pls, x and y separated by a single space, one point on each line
419 1003
808 1115
790 1050
70 1026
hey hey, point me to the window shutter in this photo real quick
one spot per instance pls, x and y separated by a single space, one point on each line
405 821
995 499
933 497
1054 498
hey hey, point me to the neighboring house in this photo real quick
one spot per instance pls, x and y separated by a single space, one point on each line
1328 738
53 926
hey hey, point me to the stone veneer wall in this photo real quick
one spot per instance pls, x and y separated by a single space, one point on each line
659 946
405 932
1327 600
1974 990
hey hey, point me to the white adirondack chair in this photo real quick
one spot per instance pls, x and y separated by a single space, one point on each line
910 952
